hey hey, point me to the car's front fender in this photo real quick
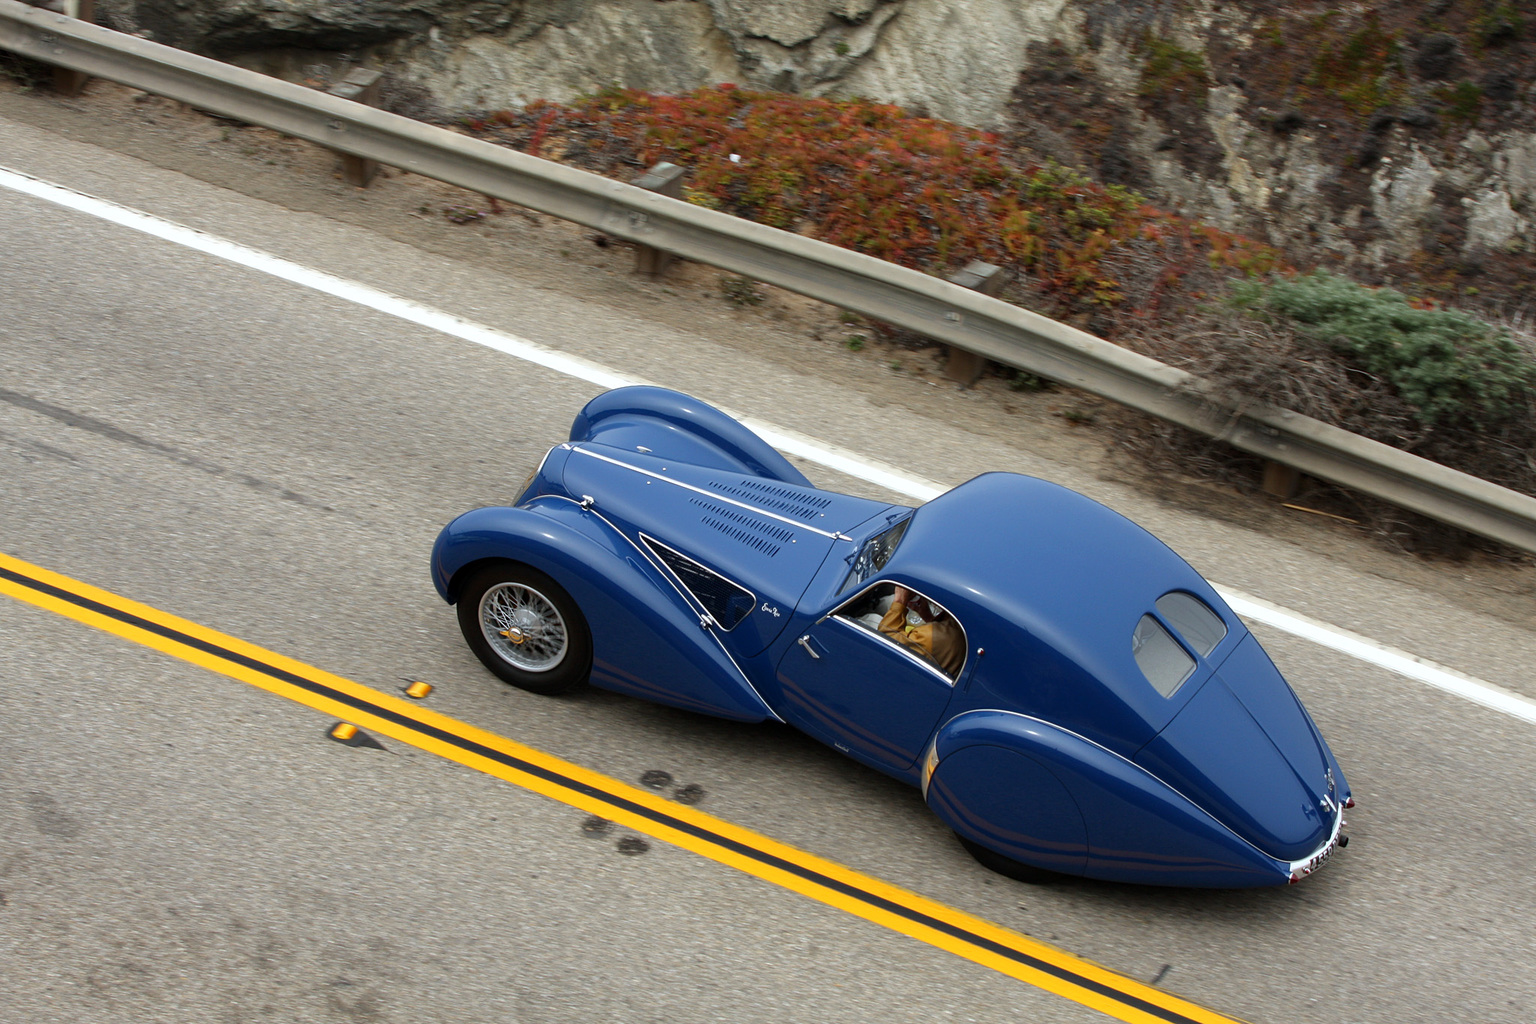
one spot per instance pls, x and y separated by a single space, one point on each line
645 639
1133 826
673 425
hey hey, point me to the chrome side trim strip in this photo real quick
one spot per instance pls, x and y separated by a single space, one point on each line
688 599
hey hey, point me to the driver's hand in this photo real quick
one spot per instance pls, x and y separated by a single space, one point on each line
901 595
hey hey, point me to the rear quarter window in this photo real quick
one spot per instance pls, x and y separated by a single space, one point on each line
1159 656
1192 619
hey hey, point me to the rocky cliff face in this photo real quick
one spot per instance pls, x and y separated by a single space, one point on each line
957 58
1395 140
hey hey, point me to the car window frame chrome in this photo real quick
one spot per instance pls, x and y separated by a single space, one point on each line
892 521
902 648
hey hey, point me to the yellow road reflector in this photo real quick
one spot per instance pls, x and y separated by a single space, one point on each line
980 941
418 690
352 736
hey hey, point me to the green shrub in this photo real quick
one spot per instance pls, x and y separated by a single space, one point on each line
1500 24
869 176
1171 70
1462 101
25 71
1023 380
1360 68
1451 367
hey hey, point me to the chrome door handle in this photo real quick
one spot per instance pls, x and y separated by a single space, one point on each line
805 642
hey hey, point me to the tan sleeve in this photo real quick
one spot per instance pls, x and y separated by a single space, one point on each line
942 640
948 645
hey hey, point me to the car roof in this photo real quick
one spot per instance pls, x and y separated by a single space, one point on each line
1073 573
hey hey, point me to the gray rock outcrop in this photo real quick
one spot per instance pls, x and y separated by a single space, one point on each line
1169 99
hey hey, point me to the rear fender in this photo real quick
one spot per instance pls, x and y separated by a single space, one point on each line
672 425
645 641
1060 787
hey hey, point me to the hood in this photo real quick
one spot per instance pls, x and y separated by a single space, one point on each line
1245 751
766 536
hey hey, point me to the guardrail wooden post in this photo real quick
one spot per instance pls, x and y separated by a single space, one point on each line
360 86
67 81
959 365
1281 480
666 179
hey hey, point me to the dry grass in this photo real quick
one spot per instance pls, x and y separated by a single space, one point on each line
1245 361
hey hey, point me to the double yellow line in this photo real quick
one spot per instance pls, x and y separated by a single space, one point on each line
861 895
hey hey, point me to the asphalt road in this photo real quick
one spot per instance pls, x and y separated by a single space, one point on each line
273 463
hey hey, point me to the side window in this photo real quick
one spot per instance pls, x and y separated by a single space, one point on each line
1162 659
1165 664
1192 619
921 627
726 602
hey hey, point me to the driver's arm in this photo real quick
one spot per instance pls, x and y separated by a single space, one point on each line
896 618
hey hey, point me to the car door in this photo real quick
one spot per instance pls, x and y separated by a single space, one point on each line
848 684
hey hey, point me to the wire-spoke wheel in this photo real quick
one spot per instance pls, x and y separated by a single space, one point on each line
525 628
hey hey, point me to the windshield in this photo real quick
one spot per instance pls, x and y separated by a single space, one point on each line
874 554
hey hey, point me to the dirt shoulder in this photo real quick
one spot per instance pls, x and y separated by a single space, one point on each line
1059 424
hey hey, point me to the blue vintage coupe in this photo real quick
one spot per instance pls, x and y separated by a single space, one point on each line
1068 693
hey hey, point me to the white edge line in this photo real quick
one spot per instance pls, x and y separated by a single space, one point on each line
1390 658
317 280
839 459
843 461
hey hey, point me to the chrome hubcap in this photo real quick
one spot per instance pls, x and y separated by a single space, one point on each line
523 627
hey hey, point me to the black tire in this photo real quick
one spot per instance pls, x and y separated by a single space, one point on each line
551 651
1007 866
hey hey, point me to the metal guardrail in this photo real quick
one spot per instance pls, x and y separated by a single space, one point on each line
906 298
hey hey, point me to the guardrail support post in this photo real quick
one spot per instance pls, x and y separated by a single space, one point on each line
360 86
667 179
68 81
1281 480
959 365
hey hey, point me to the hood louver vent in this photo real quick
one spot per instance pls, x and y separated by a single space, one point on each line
785 500
756 533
